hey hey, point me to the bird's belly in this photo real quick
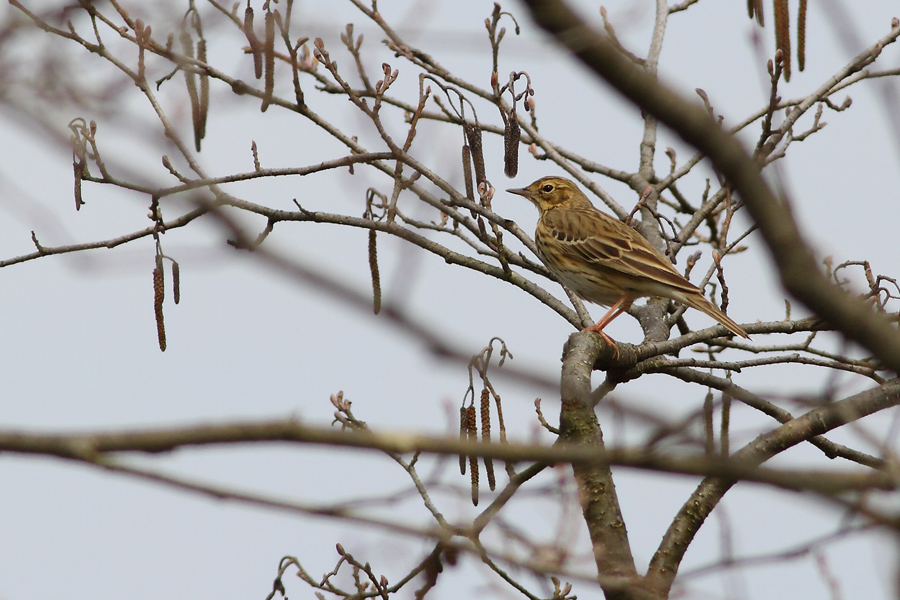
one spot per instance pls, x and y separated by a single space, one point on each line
590 283
593 289
592 286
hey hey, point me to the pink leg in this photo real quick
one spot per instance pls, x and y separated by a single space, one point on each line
621 305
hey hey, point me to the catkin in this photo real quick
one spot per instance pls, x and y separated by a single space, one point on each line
783 34
726 425
255 47
269 52
473 134
187 45
471 429
511 136
78 166
485 414
204 92
486 436
467 172
463 435
159 292
373 267
176 282
801 36
755 9
709 430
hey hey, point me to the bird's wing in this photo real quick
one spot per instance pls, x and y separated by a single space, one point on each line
610 245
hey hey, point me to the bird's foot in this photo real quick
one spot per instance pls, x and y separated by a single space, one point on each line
599 330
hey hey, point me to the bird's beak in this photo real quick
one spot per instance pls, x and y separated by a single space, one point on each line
521 192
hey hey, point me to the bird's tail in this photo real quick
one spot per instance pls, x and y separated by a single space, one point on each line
702 304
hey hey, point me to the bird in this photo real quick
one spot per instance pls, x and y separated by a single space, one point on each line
603 260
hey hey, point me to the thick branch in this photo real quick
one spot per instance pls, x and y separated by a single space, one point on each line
664 565
578 427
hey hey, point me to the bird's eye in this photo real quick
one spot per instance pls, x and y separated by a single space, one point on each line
547 188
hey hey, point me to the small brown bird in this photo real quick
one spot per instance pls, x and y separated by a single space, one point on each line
603 260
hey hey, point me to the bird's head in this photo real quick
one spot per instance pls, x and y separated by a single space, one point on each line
551 192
